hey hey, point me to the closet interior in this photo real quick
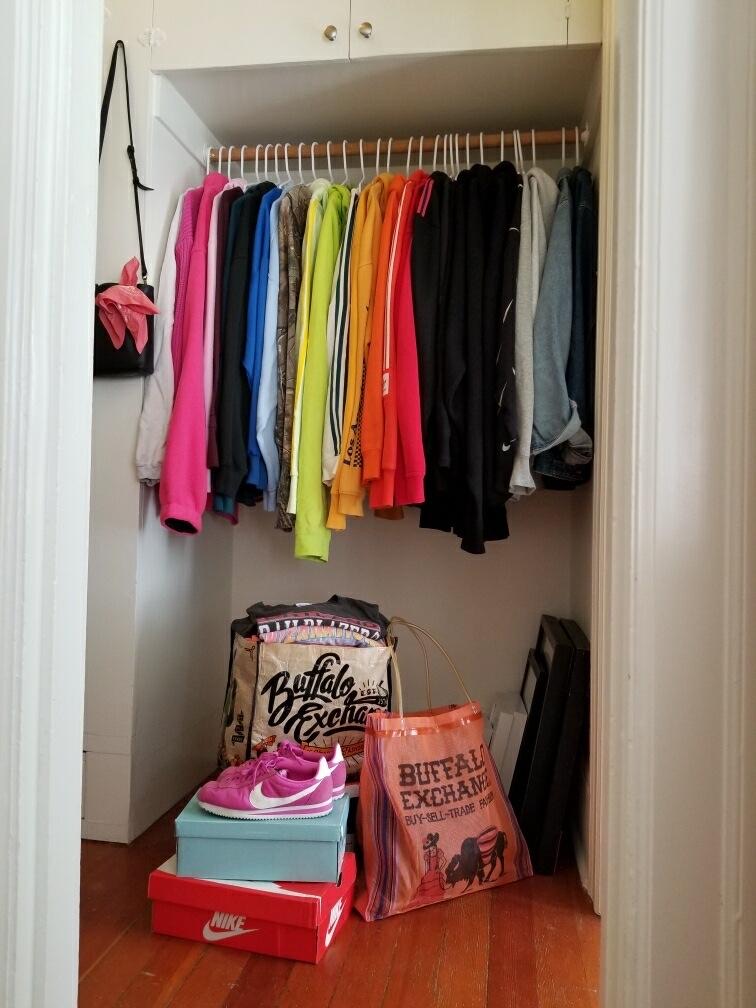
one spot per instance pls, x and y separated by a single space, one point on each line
338 91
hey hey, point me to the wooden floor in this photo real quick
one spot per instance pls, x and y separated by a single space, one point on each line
534 944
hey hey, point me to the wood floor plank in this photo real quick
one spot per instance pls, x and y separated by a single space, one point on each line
511 952
366 963
413 974
104 983
261 973
163 974
211 981
463 970
309 985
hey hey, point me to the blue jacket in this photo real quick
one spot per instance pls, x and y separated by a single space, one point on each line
258 289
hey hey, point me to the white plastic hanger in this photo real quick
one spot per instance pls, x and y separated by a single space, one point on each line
362 165
275 164
420 155
241 161
467 150
388 155
501 153
482 155
344 158
299 158
207 161
435 150
312 159
409 154
265 161
328 159
459 162
257 161
228 173
289 179
221 151
378 157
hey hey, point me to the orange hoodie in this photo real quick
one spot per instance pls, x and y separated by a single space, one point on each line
372 415
346 490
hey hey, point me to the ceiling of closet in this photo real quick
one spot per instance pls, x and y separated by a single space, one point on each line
393 96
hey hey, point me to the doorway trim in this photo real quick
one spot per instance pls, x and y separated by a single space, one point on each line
50 66
672 551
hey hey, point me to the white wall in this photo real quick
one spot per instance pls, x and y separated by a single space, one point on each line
484 609
156 603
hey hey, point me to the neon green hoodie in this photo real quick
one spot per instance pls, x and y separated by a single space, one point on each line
312 538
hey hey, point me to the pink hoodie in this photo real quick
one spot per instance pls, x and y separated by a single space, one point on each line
183 486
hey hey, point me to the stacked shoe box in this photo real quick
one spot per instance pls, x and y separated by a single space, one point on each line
261 863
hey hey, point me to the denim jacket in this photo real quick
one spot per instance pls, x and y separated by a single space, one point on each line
555 414
568 464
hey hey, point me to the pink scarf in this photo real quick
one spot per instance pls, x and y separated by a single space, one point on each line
124 306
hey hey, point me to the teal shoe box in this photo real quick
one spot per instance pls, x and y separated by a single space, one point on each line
261 850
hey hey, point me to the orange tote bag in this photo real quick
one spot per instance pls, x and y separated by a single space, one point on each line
434 820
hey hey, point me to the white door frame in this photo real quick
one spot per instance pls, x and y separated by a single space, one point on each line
672 549
671 555
50 66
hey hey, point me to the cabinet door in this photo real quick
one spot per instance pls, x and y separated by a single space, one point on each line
190 35
398 27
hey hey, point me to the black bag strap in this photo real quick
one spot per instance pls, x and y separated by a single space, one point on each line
105 108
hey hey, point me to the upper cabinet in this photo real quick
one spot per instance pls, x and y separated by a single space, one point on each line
190 35
399 27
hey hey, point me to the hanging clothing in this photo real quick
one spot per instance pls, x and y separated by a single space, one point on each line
252 359
292 224
374 402
555 416
311 537
158 387
347 491
225 201
183 253
337 334
267 394
537 214
410 471
319 188
234 393
210 350
568 464
183 486
430 263
502 394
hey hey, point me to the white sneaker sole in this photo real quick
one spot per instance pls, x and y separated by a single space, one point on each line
303 812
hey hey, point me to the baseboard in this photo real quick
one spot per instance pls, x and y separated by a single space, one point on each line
581 860
110 832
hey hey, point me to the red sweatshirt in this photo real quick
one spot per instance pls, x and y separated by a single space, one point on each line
401 475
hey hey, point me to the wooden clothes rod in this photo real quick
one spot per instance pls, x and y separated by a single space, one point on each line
318 150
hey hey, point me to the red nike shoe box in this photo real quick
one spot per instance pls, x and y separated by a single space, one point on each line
292 920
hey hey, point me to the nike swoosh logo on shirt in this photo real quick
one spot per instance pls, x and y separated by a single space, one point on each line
259 800
210 935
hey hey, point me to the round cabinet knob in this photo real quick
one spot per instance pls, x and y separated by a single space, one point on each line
365 29
330 32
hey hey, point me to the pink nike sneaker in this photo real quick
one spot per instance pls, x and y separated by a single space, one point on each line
275 787
302 758
334 759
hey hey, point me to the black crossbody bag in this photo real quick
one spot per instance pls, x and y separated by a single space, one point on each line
126 360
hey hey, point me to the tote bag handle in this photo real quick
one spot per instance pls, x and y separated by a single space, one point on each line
418 633
104 109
